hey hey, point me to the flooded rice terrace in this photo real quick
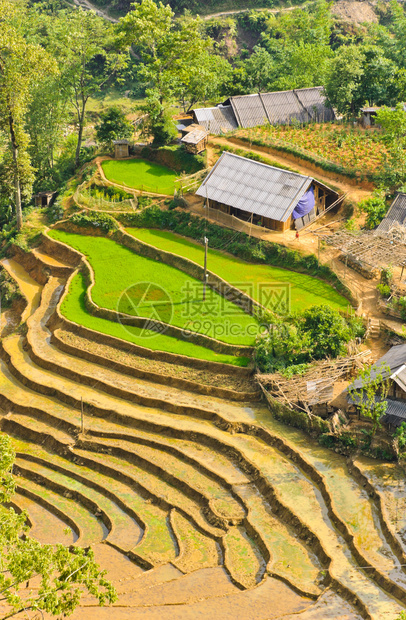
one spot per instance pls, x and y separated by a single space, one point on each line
196 506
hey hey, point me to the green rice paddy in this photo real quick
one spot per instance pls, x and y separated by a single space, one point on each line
305 291
140 286
74 309
141 174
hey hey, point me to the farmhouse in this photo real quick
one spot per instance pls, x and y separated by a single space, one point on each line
396 216
392 365
271 197
303 105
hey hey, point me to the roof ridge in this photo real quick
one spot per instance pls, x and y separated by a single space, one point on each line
260 163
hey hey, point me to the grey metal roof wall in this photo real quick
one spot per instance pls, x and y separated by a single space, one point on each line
254 187
217 120
394 359
314 102
249 110
282 107
396 213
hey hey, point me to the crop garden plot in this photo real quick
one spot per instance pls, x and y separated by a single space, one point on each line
141 174
139 286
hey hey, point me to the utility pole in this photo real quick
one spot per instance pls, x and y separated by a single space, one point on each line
206 243
82 421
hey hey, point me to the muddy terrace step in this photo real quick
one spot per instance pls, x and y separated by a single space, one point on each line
111 381
287 484
157 545
45 526
87 526
198 586
195 549
46 382
242 558
125 532
173 470
289 559
168 494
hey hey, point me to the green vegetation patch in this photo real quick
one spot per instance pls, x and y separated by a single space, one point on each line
141 174
74 309
140 286
242 557
305 290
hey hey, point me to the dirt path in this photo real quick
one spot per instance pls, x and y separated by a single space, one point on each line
355 192
238 11
85 4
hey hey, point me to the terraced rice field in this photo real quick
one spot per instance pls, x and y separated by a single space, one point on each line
305 290
141 174
197 506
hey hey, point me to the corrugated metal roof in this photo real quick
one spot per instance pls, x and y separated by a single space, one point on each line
280 108
195 136
396 213
313 101
220 119
395 412
249 110
254 187
393 359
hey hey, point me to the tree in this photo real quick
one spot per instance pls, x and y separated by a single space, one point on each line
89 54
327 329
46 120
157 120
22 65
177 60
64 573
342 85
113 125
370 397
282 346
261 70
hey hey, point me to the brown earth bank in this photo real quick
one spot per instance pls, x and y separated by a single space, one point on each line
231 382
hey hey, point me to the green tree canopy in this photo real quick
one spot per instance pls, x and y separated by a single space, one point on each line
65 574
113 125
22 66
89 54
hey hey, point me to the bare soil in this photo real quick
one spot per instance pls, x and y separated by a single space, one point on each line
238 383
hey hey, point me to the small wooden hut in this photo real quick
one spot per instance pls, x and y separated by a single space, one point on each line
42 199
195 140
121 149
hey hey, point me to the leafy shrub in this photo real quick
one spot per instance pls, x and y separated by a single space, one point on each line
387 275
104 221
356 324
327 329
384 290
8 288
375 208
400 435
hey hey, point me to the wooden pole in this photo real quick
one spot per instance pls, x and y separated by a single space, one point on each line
82 421
206 242
318 250
252 215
